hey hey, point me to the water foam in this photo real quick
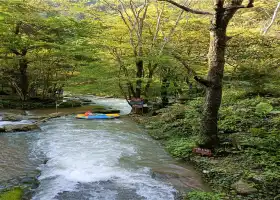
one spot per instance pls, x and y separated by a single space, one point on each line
119 104
79 155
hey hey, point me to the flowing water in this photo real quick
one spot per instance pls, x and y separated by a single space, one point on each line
95 160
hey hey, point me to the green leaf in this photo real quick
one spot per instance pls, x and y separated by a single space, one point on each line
263 108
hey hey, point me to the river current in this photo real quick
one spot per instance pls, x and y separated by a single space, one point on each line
94 160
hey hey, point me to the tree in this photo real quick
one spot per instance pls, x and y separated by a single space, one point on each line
41 45
133 17
144 37
272 19
221 17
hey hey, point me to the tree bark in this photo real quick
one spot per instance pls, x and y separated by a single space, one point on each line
216 61
23 64
139 75
164 93
150 77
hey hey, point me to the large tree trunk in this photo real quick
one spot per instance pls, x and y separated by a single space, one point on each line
216 60
139 75
23 64
164 93
150 78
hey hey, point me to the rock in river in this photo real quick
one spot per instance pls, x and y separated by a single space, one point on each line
11 117
2 129
18 127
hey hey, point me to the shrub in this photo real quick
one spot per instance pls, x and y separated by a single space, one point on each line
198 195
181 147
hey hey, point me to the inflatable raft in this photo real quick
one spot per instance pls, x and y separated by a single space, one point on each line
98 116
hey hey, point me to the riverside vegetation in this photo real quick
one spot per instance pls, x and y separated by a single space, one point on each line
246 163
159 50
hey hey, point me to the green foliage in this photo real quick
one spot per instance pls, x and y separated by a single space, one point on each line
263 108
198 195
181 147
249 149
14 194
50 43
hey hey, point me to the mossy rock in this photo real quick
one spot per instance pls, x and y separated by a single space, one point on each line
20 127
243 188
11 117
13 194
32 182
70 104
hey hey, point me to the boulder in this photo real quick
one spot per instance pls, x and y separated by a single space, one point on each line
20 127
70 104
2 129
11 117
35 117
243 187
55 115
258 179
45 118
32 182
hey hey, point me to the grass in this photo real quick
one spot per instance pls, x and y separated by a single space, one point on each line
13 194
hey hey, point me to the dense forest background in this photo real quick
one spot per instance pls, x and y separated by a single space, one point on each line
165 52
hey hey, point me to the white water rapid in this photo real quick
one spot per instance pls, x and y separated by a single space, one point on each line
95 159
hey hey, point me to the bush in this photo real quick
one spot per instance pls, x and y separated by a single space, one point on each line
198 195
181 147
263 108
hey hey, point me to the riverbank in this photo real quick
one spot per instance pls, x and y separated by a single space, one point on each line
246 165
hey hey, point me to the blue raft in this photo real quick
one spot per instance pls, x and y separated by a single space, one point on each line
98 116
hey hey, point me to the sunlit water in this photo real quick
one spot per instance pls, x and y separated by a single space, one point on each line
91 160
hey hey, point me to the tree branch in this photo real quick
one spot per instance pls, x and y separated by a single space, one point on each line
202 81
171 31
191 72
15 52
236 7
273 19
187 9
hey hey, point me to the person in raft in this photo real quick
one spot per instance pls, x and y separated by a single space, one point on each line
88 113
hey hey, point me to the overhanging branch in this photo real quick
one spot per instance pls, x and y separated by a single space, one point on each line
236 7
187 9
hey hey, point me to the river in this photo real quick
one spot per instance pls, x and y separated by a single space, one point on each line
95 160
